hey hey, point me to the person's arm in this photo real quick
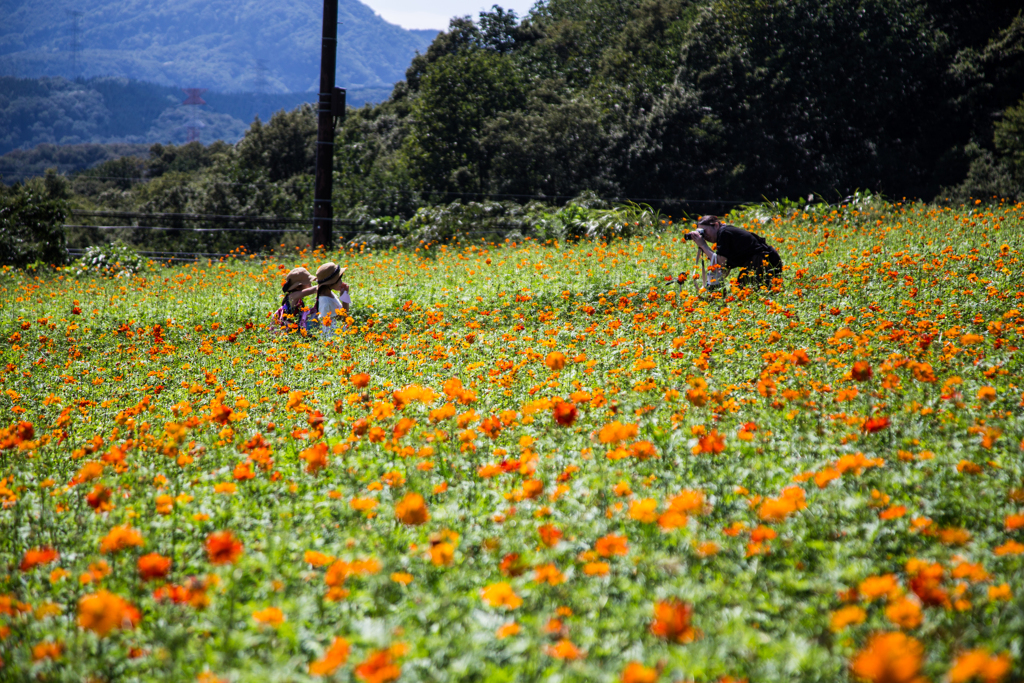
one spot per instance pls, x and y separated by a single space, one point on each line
701 244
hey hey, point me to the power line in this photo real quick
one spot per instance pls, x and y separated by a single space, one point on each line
156 227
215 218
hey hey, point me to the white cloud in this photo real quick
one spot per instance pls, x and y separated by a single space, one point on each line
414 14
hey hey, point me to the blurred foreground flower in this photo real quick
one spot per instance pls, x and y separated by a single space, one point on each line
336 655
102 612
222 547
889 658
672 621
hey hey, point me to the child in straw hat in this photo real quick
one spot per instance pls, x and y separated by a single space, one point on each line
331 308
298 284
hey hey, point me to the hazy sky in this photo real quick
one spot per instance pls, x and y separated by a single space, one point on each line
420 14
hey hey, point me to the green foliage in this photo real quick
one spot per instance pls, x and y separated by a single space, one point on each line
32 222
1009 140
461 92
114 260
22 164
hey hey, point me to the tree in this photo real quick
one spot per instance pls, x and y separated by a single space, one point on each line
32 221
458 95
812 95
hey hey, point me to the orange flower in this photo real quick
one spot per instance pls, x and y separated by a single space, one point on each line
596 568
336 655
564 649
315 457
712 443
99 499
979 665
360 380
506 630
222 547
671 519
635 672
644 510
609 545
442 554
500 594
1009 548
777 509
925 580
402 578
565 413
379 667
876 424
893 512
688 502
642 450
672 621
861 371
616 432
889 658
119 538
905 613
271 616
875 587
317 558
1014 522
549 534
1000 592
37 556
844 616
549 574
46 650
153 566
102 612
555 360
412 510
512 565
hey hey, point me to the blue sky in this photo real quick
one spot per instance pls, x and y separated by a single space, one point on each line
419 14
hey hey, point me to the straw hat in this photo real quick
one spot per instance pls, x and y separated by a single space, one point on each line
298 278
329 274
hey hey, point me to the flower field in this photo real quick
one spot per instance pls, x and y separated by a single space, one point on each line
527 462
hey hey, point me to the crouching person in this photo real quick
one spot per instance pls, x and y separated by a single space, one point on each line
758 261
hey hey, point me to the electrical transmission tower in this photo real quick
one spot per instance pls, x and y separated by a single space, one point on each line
75 46
260 88
193 100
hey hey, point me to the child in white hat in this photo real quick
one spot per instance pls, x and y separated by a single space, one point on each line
332 309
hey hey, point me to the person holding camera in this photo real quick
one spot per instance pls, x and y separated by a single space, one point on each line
757 260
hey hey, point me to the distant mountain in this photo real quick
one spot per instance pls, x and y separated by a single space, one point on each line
224 45
56 111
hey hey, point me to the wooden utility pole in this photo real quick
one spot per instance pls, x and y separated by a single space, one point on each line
331 104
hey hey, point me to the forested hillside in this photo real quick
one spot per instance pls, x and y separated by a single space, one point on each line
224 45
56 111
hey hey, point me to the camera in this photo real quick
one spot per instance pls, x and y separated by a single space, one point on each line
688 236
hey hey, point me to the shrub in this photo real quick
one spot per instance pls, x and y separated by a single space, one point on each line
116 260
